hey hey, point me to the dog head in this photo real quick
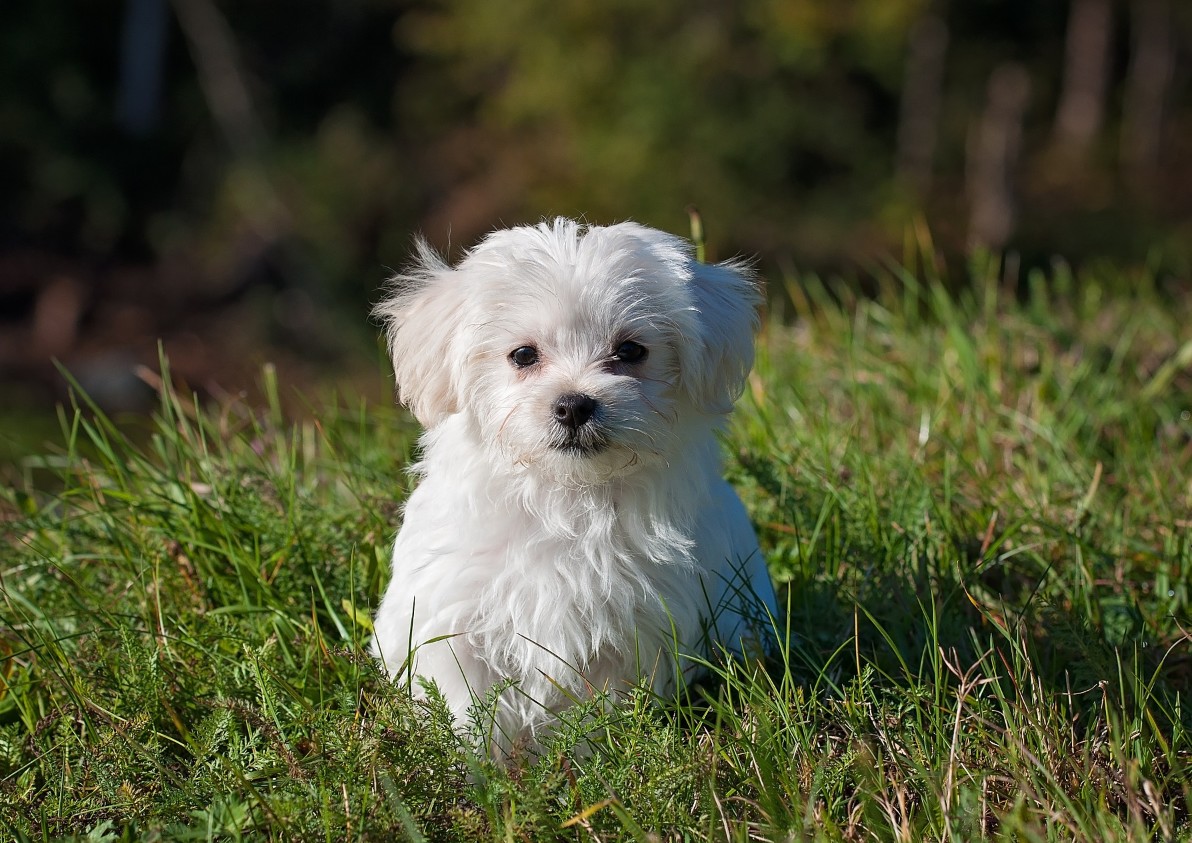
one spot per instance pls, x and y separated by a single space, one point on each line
579 351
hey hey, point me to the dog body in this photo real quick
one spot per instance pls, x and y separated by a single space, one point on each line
570 530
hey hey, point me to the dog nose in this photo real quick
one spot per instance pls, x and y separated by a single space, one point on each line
573 409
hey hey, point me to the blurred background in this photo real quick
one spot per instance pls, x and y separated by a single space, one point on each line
237 179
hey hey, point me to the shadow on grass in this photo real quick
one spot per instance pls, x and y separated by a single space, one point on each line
906 622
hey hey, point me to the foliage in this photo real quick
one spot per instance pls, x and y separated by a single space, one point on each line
977 507
372 118
749 111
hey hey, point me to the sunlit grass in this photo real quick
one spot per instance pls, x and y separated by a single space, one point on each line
979 508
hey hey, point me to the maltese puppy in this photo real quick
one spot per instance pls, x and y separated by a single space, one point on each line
571 533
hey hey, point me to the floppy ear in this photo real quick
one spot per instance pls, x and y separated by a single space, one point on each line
714 363
423 317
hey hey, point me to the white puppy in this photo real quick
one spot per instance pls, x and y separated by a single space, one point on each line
571 530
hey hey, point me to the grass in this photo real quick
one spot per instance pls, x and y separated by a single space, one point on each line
978 507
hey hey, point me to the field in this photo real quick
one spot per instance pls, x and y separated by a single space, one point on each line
977 505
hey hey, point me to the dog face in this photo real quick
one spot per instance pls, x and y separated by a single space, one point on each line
577 352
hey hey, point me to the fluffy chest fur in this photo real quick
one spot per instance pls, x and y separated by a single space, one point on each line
555 587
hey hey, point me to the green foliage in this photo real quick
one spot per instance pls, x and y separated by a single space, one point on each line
749 111
977 507
780 119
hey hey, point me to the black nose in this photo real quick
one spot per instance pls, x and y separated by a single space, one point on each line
573 409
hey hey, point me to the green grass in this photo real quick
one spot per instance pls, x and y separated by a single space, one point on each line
979 509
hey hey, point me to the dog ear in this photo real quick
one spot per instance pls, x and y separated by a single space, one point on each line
715 362
422 318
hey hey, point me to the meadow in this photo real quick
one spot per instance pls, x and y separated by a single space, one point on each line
976 501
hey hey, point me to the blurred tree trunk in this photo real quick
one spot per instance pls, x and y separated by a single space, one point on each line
993 151
142 56
213 47
1081 111
1152 62
226 90
922 91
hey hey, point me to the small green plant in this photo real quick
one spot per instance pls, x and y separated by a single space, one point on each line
977 507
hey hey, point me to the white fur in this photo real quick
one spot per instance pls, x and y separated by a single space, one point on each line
546 571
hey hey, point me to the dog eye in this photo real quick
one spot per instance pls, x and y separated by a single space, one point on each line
631 352
524 356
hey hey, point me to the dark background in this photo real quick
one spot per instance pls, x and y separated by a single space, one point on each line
237 179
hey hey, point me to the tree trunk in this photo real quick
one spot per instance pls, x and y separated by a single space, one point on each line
1081 110
1152 62
993 151
922 91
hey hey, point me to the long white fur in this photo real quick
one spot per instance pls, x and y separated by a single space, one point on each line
542 572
